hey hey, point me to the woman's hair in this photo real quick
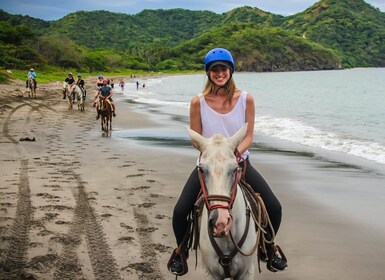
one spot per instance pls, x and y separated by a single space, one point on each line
230 88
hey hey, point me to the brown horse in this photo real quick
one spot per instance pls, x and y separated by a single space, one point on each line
105 112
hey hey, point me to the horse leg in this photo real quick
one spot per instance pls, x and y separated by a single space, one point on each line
69 102
103 121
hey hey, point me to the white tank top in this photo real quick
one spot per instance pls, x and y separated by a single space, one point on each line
226 124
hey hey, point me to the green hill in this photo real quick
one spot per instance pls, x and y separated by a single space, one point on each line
352 27
331 34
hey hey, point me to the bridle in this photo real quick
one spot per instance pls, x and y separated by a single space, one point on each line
226 259
217 197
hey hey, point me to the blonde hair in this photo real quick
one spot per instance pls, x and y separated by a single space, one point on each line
230 88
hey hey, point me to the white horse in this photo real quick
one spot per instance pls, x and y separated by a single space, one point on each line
73 92
80 97
228 237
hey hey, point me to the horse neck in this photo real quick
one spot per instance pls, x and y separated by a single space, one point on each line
103 104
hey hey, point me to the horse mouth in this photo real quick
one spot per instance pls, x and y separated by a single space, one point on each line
220 235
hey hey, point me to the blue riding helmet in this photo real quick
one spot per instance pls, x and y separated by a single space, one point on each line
219 56
100 77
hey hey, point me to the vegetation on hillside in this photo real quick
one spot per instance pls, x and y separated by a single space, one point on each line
329 35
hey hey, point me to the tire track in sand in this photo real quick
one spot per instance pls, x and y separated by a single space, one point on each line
85 223
13 260
15 257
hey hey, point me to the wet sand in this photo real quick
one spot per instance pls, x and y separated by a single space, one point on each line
78 203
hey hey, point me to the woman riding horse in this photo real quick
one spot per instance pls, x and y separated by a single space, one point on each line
222 108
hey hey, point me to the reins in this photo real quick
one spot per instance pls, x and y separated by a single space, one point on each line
226 259
254 207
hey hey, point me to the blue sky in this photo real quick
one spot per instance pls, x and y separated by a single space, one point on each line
56 9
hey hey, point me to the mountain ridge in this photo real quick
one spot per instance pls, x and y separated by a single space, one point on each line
331 34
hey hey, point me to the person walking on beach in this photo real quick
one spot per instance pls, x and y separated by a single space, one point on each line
223 108
137 85
121 84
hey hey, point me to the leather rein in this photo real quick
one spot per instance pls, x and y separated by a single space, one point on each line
226 259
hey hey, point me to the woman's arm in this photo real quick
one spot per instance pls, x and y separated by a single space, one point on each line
109 96
250 118
195 117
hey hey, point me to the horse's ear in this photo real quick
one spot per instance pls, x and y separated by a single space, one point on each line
238 136
196 137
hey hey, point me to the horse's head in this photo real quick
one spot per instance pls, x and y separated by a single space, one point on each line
219 174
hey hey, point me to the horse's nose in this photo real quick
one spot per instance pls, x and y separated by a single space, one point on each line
219 222
213 217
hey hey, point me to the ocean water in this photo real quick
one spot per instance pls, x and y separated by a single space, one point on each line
337 115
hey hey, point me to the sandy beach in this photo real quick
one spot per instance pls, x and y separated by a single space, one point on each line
78 203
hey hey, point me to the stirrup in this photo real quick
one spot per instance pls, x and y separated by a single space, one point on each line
183 258
271 252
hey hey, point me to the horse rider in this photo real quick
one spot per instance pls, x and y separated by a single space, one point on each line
99 84
105 92
70 80
31 74
80 83
223 108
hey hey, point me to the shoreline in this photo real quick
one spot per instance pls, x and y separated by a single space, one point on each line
127 190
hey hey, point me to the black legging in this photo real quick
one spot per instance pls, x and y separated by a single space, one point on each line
186 201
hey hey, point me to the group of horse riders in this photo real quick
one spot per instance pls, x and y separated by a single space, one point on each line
104 91
70 80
